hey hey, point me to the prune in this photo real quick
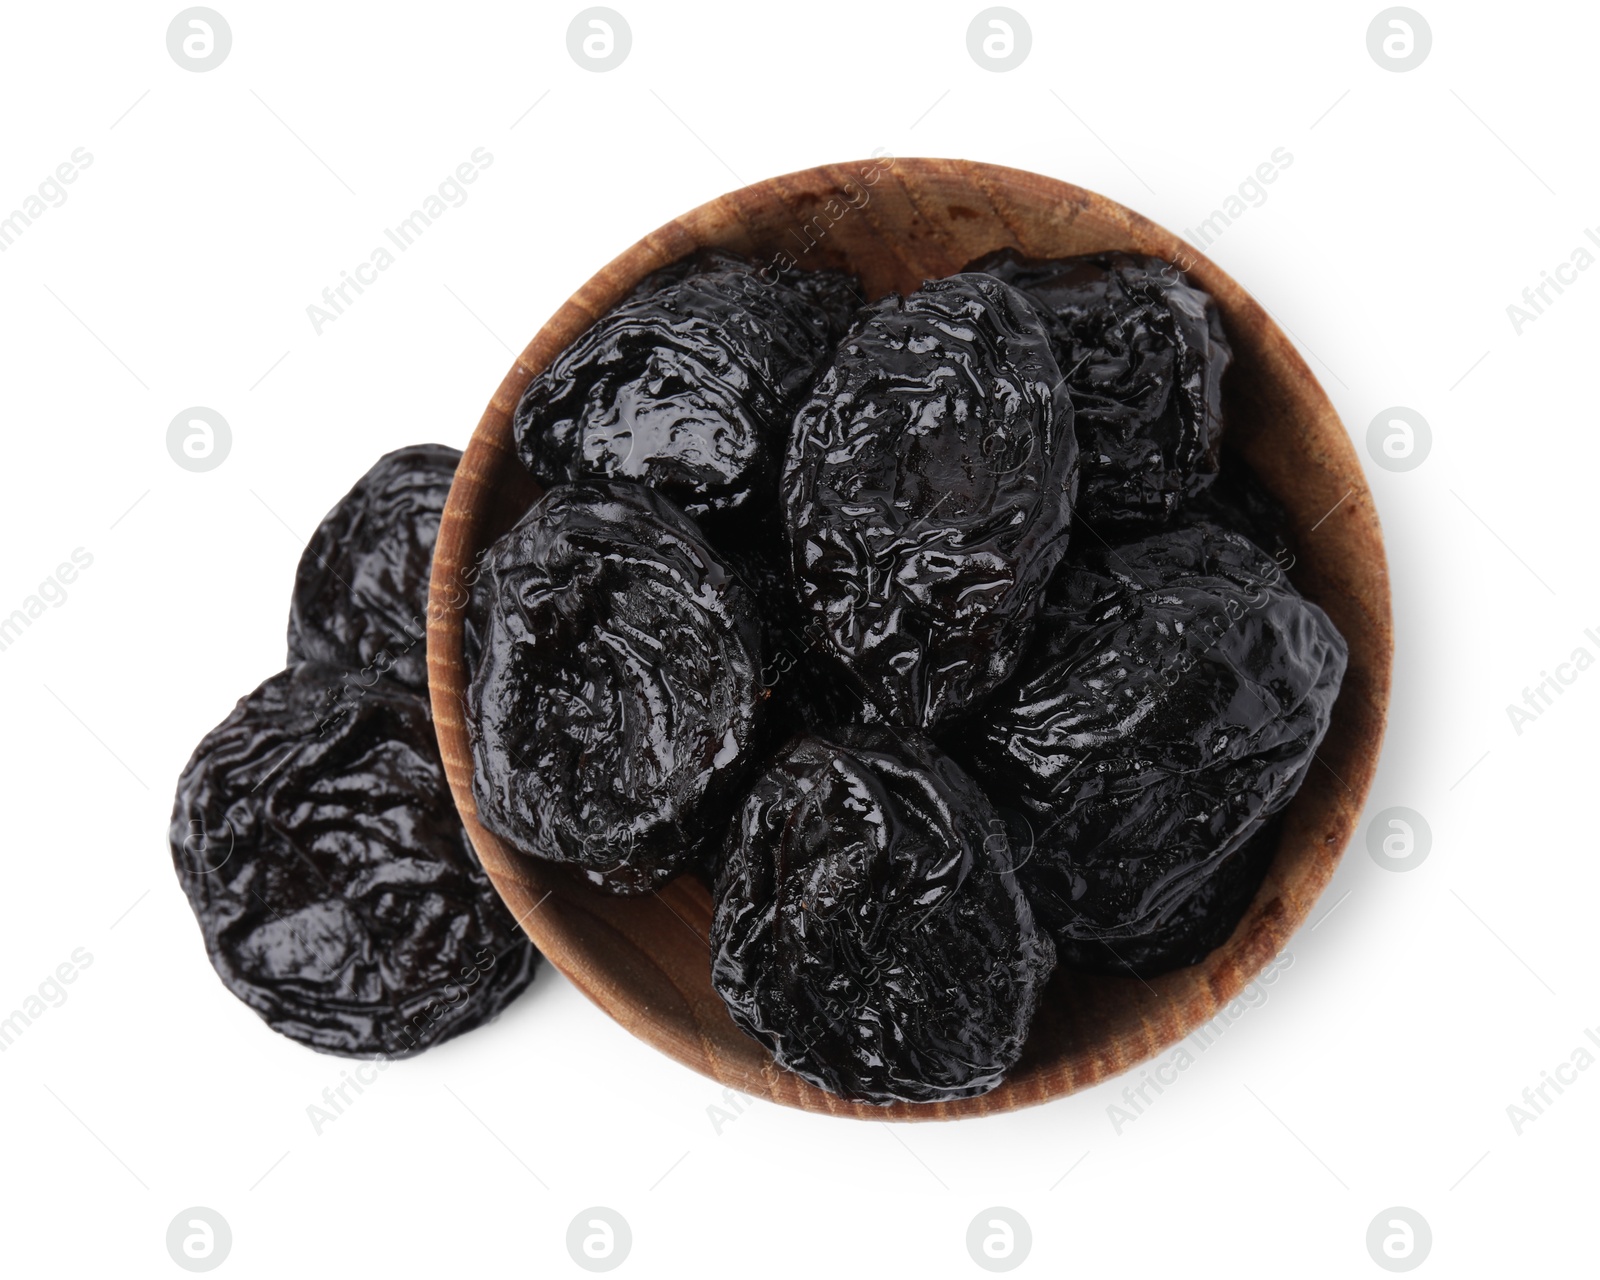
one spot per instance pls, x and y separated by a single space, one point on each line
1238 501
615 709
315 837
687 386
475 616
1143 352
867 926
361 591
619 879
1198 924
799 684
928 491
835 294
1173 702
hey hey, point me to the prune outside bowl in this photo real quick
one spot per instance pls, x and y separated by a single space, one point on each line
895 222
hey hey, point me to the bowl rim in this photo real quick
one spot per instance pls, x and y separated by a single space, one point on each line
1166 1022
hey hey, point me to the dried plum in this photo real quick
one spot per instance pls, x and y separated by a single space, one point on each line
616 705
619 880
473 590
835 294
1143 352
337 893
687 385
1199 923
1173 702
800 685
868 928
1238 501
361 590
928 491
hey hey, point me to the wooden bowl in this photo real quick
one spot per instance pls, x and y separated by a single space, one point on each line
895 222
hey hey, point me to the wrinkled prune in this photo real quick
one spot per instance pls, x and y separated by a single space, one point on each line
1143 353
833 293
475 616
1198 924
1177 693
928 491
868 928
799 684
1238 501
615 709
687 385
315 837
361 591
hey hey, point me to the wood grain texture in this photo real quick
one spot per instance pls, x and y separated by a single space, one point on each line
896 222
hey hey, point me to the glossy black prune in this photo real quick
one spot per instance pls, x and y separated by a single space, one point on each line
800 686
314 834
867 926
1238 501
687 385
1200 922
928 491
361 590
1143 352
833 293
615 708
622 881
475 615
1174 699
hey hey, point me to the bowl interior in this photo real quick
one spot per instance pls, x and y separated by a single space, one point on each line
896 222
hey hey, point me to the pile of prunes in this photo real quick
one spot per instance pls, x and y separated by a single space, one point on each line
931 632
314 832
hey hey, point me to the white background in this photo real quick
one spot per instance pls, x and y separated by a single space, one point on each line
177 273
